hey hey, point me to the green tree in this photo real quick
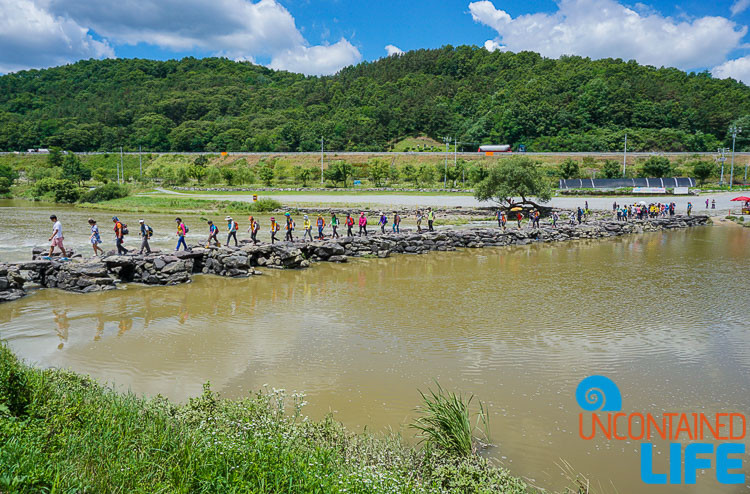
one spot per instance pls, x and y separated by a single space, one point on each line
55 156
227 174
518 176
656 167
101 175
379 171
410 174
8 172
611 169
4 186
477 173
213 175
266 174
426 174
339 172
569 169
703 170
73 169
302 174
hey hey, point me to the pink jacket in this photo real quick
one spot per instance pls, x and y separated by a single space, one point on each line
362 220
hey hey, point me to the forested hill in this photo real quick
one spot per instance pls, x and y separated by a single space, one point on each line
568 104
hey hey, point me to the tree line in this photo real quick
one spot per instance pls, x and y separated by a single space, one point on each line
214 104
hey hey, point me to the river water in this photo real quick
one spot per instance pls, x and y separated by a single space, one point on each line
663 314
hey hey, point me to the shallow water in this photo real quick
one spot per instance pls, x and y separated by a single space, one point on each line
662 314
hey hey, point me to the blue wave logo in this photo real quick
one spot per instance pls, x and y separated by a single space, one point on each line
599 393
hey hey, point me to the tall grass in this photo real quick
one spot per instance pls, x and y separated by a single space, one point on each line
62 432
151 204
446 421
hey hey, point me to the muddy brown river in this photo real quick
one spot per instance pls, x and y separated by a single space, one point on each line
665 315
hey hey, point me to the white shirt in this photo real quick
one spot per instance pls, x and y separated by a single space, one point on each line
58 226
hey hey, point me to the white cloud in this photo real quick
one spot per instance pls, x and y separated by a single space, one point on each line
237 29
738 69
492 45
321 59
739 6
393 50
31 37
606 28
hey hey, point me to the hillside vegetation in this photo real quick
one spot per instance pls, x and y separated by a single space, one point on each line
212 104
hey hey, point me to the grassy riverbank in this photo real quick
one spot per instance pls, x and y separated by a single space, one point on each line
62 432
172 204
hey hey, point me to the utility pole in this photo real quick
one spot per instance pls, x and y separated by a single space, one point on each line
122 167
625 156
722 159
321 161
734 130
140 161
445 175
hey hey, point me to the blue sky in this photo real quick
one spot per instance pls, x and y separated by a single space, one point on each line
321 36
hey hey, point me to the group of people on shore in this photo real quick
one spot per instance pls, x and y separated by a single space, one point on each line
643 211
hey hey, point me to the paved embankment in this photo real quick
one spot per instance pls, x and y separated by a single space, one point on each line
169 268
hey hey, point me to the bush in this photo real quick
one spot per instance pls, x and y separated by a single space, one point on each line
56 190
106 193
4 186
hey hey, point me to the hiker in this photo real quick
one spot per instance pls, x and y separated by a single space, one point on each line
430 219
321 223
396 222
579 214
555 217
308 229
586 208
713 204
146 232
57 237
706 203
499 215
689 208
119 235
213 234
419 221
519 217
503 219
334 225
536 217
95 238
181 233
362 223
254 228
289 227
274 229
232 229
349 225
383 221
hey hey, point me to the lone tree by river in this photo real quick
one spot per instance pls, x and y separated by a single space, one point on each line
518 176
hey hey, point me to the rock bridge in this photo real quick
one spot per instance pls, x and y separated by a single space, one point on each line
171 268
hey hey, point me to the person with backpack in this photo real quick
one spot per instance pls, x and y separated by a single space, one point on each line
362 223
555 217
519 217
382 222
320 223
182 231
503 220
95 238
120 232
290 225
213 234
232 230
274 229
419 221
349 225
308 229
430 219
334 225
146 232
253 229
396 222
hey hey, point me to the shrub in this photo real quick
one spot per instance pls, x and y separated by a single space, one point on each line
106 193
55 190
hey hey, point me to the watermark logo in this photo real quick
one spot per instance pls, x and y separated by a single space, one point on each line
599 393
687 434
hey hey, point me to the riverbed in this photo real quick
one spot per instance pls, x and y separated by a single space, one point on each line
662 314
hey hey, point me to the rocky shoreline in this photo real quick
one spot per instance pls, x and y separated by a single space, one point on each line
171 268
